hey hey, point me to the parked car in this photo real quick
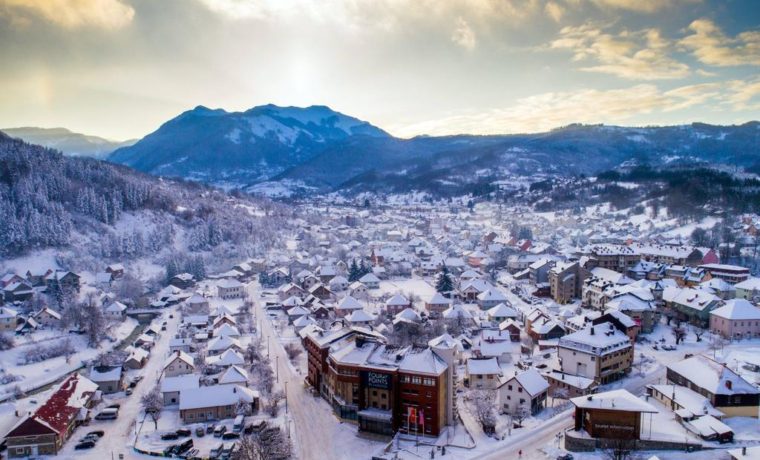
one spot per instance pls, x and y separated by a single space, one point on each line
170 436
230 435
565 457
85 445
98 433
89 437
108 414
129 391
210 428
183 447
114 406
200 432
219 431
183 432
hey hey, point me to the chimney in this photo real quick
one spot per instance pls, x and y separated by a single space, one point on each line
744 451
592 330
729 384
234 389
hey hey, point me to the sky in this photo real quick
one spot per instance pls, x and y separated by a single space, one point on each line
120 68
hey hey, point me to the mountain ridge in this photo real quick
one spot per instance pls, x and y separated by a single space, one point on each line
69 142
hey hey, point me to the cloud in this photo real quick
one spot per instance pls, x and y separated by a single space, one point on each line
744 94
711 46
640 55
463 35
641 6
107 14
548 110
554 10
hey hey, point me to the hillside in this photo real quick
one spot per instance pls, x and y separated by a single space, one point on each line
100 211
68 142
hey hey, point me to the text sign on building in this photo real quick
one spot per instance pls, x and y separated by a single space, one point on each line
376 380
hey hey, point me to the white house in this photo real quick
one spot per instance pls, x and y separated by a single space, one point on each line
179 363
230 288
483 373
524 391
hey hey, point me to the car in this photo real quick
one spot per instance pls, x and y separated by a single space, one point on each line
98 433
138 378
170 436
219 431
230 435
108 414
171 316
114 406
89 437
85 445
129 391
163 328
210 428
183 432
565 457
200 432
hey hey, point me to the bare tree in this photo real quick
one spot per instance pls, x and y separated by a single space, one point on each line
273 403
698 332
520 413
6 342
152 403
620 449
294 351
484 403
269 444
679 333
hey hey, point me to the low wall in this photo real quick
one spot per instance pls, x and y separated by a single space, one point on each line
575 443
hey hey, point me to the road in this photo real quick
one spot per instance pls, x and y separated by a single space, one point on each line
120 433
318 434
532 441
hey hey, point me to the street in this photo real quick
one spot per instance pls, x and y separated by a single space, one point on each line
120 433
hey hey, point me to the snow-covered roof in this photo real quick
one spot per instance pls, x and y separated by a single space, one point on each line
397 300
233 374
349 303
599 339
359 316
532 382
229 357
229 283
369 278
100 374
502 311
712 376
483 366
182 356
179 383
737 309
619 400
215 396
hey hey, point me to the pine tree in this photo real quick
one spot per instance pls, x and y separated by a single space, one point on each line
353 271
443 283
171 270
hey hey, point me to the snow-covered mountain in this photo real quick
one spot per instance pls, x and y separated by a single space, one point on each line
68 142
320 149
214 145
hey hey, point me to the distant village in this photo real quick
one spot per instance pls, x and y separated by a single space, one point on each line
411 331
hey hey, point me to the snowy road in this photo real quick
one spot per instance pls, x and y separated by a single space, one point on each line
531 442
119 433
318 433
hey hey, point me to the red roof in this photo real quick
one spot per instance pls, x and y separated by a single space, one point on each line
60 409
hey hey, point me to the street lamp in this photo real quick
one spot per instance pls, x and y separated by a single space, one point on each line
286 396
277 368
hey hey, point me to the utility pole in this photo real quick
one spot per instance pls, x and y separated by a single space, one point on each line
286 396
277 368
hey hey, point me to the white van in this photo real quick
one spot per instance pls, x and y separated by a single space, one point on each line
238 424
110 413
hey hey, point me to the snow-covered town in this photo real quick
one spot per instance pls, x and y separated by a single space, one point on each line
417 330
380 229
